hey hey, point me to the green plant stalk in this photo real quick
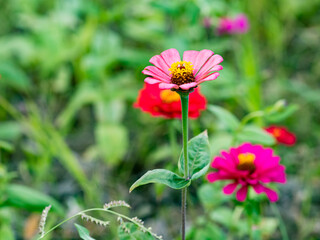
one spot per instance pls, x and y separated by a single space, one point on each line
184 96
282 226
96 209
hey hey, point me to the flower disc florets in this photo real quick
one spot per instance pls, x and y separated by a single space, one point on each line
181 73
246 162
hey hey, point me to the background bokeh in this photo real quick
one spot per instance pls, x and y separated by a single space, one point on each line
71 71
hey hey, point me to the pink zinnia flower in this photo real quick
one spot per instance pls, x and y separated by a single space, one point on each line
248 165
172 73
225 26
238 25
241 24
282 135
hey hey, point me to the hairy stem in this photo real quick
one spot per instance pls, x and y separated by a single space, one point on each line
185 109
97 209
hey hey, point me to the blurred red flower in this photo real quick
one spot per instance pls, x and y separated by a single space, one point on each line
166 103
282 135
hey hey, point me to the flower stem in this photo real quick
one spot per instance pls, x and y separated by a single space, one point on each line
282 227
185 109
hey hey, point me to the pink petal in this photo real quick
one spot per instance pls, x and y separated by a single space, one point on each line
190 56
216 68
258 188
151 80
156 70
223 163
242 193
229 189
171 56
276 174
209 78
187 86
202 57
152 74
214 176
271 194
209 65
159 62
168 86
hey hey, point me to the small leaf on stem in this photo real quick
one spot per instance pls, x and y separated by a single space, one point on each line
83 232
199 156
161 176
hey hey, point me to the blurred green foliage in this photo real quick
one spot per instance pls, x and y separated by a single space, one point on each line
71 70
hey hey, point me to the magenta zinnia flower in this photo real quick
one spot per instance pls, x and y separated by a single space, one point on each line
172 73
248 165
237 25
241 24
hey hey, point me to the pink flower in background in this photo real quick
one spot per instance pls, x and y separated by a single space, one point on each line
248 165
241 24
238 25
207 22
225 26
196 67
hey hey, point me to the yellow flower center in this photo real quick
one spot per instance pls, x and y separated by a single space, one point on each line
246 161
168 96
276 132
181 72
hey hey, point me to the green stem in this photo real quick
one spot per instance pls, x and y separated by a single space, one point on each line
282 226
98 209
185 109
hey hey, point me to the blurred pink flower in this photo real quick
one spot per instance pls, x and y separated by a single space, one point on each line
241 24
248 165
172 73
238 25
226 26
207 22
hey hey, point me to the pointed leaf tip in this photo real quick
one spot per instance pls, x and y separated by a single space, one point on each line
163 176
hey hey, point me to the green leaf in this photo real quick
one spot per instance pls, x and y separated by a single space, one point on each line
10 130
112 141
282 115
207 192
161 176
14 77
222 215
226 119
199 156
27 198
6 146
256 135
83 232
